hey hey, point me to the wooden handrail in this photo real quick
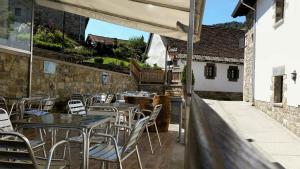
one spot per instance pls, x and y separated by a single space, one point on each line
212 144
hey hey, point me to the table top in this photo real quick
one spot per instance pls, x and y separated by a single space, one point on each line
57 120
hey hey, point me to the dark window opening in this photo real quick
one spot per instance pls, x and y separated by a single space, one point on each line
18 12
233 73
279 11
278 89
210 71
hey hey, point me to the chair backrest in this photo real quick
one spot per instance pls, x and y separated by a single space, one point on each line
77 96
95 99
103 97
3 103
135 134
109 98
48 104
155 112
5 123
16 152
76 107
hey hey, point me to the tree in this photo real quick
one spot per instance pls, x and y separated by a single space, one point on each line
133 48
184 78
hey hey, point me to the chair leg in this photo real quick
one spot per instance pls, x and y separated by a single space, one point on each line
44 151
149 139
157 133
120 165
138 156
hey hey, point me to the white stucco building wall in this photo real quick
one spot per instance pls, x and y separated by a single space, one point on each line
220 83
277 46
157 51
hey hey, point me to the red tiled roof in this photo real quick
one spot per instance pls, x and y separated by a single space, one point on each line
216 42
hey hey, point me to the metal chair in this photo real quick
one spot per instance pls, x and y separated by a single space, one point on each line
76 107
152 121
16 152
109 98
78 96
6 126
117 154
3 103
46 105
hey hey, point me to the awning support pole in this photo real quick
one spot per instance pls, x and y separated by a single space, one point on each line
189 66
31 51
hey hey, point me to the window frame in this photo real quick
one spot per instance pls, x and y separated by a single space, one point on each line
279 15
236 73
210 75
18 12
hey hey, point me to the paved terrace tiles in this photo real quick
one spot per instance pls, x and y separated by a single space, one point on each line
272 139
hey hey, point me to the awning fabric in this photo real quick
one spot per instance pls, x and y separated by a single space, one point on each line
164 17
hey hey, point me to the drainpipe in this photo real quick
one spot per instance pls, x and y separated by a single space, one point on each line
31 51
254 49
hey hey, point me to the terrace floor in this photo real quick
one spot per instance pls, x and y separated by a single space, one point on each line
169 156
271 138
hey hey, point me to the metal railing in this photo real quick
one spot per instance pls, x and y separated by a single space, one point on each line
212 144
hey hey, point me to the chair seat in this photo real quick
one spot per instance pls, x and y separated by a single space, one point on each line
104 152
41 162
79 139
36 112
55 164
36 143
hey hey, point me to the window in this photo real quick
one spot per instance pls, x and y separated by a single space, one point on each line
233 73
17 11
278 89
210 71
15 25
279 10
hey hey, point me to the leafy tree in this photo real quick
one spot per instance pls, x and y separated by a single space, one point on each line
133 48
232 25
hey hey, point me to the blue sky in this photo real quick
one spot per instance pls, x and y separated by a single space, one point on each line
216 11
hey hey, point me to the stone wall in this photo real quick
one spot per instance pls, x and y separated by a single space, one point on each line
230 96
248 61
69 78
288 116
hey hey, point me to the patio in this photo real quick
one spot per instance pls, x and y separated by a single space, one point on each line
169 156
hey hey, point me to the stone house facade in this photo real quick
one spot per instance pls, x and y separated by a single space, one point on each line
271 59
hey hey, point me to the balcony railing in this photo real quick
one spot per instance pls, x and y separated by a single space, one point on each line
212 144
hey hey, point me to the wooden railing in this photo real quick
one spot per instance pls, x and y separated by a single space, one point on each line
147 75
212 144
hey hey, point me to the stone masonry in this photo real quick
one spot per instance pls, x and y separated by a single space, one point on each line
69 78
248 61
288 116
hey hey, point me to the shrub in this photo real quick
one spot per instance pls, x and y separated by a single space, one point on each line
99 60
184 78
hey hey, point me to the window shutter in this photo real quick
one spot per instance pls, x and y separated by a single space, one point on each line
237 72
214 71
205 71
228 73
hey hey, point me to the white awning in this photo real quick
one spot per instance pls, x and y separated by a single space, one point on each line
164 17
